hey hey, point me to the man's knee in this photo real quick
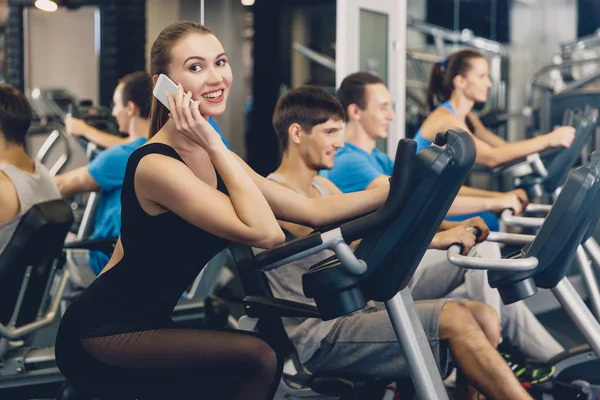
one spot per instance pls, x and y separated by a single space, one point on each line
488 320
456 319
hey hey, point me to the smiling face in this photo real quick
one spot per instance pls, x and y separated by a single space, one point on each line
378 114
200 65
318 147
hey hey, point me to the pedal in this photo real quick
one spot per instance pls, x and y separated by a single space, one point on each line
577 390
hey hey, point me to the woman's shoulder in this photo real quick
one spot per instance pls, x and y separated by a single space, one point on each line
154 150
441 119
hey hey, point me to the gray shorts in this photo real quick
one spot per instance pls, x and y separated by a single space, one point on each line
365 343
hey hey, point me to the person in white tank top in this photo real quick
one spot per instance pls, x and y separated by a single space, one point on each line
309 123
23 181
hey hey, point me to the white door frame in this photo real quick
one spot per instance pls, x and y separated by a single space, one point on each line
347 52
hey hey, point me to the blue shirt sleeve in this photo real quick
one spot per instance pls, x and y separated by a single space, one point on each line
108 168
215 125
352 172
385 161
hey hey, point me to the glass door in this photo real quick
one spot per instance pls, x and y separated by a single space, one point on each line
371 37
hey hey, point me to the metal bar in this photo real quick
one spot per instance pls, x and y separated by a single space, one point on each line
539 208
537 165
85 227
202 12
46 294
587 274
415 347
319 58
89 150
295 257
545 118
59 165
581 43
420 72
593 250
510 238
581 82
348 259
21 296
13 334
417 55
526 222
520 264
332 239
547 68
416 85
465 36
46 146
578 312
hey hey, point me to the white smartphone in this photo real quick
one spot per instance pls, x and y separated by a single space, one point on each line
164 85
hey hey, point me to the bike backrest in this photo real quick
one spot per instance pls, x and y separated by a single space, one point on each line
565 226
28 262
393 254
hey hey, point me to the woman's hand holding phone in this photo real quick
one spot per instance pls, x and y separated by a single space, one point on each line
188 120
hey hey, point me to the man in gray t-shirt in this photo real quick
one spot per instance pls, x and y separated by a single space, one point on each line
309 122
23 182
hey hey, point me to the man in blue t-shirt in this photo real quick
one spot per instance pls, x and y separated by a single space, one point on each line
105 174
360 165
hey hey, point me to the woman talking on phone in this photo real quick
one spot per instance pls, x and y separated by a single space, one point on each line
185 198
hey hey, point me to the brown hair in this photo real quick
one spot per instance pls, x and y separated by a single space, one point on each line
137 88
160 58
15 114
306 106
352 90
441 81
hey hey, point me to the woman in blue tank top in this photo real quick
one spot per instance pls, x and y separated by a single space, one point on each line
421 141
455 85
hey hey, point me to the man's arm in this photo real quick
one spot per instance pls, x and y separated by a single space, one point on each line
76 181
333 189
381 180
469 191
103 139
354 173
9 200
296 230
468 205
471 204
300 230
78 127
445 225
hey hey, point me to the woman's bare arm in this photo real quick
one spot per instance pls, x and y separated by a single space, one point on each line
495 156
244 216
483 133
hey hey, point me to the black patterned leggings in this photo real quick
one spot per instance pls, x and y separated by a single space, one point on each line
172 364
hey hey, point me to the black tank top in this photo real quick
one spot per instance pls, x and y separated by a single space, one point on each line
163 254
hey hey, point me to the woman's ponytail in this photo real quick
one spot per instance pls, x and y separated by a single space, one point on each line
441 81
436 86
